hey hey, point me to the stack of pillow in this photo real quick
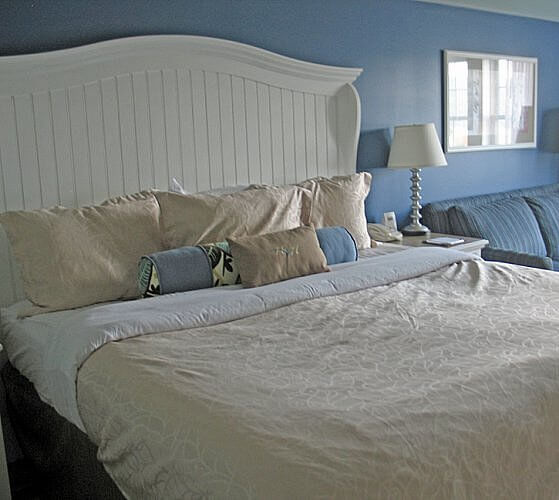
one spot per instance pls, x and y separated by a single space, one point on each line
75 257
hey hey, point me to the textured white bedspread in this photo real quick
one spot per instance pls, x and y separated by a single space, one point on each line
443 386
50 348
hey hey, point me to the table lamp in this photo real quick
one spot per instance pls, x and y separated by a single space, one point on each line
415 147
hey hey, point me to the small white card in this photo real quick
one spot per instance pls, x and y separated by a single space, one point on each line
445 241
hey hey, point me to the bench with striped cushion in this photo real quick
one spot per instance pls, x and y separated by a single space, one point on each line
546 210
522 225
508 225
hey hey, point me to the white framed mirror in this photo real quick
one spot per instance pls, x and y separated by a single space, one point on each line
490 101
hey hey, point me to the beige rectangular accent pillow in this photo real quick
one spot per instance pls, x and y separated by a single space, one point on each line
196 219
75 257
279 256
340 201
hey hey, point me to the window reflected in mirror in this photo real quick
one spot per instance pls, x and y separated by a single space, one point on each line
490 101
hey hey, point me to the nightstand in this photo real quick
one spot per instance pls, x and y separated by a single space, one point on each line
470 245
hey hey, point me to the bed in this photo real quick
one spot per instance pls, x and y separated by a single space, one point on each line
423 373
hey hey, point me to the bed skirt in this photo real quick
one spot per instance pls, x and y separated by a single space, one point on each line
63 456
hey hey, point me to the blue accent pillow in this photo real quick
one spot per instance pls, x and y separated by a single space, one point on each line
507 224
337 244
177 270
546 210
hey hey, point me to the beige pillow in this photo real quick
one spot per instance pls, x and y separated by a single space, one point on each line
195 219
75 257
277 256
127 198
340 201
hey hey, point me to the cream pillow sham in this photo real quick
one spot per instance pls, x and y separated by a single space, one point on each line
340 201
75 257
189 220
278 256
127 198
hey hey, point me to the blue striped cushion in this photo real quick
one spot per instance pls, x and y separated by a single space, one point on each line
435 214
546 210
506 224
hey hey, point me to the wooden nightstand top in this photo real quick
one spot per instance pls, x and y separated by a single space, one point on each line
473 245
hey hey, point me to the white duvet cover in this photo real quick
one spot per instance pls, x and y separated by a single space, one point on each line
50 348
422 374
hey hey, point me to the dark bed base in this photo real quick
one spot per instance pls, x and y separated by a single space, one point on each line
63 456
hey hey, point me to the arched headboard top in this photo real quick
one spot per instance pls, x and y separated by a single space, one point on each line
80 65
80 125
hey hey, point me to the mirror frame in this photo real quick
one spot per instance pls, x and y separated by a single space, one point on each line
448 54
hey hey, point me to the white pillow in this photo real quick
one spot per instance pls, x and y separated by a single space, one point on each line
340 201
75 257
202 218
176 187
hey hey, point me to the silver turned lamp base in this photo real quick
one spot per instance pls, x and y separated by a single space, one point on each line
419 230
415 228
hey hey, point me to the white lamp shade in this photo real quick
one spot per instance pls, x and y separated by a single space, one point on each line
416 146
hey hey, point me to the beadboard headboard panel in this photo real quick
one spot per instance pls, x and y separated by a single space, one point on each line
80 125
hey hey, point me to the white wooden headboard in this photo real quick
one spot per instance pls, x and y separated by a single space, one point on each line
80 125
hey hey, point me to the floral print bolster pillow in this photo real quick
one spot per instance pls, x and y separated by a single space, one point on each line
224 270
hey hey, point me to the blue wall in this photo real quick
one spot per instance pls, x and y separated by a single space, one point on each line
397 42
